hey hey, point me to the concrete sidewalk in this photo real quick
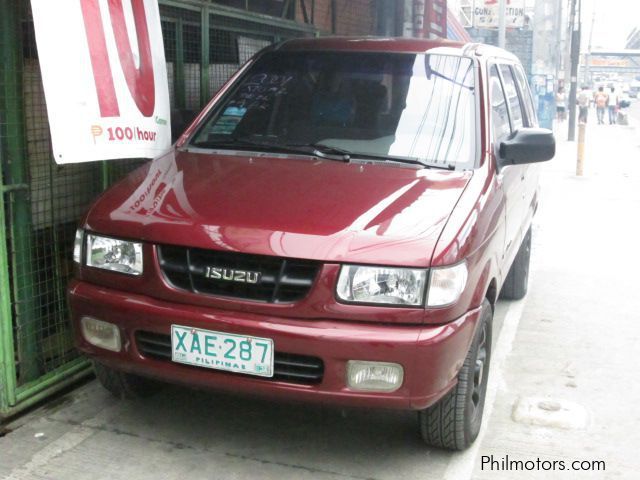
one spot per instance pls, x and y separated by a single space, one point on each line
569 348
576 342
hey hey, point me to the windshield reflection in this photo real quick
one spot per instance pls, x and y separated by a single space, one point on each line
414 106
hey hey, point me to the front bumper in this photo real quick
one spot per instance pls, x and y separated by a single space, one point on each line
430 355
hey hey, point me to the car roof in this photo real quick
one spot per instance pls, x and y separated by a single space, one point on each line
394 44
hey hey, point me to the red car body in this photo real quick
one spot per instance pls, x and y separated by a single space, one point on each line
315 209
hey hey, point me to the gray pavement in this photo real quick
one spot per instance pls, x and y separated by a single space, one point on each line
634 110
562 384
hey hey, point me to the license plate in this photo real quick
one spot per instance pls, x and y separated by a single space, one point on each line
222 351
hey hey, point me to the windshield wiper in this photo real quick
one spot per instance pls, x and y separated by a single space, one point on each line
324 151
317 150
412 161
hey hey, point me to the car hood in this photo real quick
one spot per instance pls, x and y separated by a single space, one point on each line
290 206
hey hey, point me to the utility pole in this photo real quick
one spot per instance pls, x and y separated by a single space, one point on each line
502 23
587 60
556 55
571 7
575 60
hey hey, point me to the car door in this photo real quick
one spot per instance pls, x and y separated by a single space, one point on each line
510 177
532 173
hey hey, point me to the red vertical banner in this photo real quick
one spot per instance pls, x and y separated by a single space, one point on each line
430 18
436 19
419 18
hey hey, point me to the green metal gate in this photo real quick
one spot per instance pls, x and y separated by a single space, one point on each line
41 202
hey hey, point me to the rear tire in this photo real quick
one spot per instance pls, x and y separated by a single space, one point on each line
454 422
517 281
124 385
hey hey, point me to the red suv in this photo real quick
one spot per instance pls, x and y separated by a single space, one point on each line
335 226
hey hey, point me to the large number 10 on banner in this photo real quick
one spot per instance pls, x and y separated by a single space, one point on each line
104 77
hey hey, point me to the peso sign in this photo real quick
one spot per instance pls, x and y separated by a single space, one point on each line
104 77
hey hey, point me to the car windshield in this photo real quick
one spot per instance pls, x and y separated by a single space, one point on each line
417 107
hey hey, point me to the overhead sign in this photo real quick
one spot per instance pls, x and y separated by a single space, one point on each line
104 77
486 13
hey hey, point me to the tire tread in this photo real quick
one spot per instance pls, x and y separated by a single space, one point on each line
443 424
124 385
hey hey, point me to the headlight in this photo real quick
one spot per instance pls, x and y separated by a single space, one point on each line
394 286
113 254
446 284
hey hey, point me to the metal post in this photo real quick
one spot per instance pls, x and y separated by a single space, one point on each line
20 217
105 177
7 359
580 164
204 57
575 59
502 24
7 353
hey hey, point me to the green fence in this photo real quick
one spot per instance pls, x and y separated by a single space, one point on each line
41 202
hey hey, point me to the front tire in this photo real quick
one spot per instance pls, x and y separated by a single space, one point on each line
517 281
124 385
454 422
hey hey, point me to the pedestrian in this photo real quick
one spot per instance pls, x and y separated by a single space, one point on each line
601 104
612 105
583 105
561 105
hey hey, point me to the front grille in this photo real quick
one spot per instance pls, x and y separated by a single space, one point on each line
287 367
281 280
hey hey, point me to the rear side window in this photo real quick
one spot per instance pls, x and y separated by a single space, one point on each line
525 94
499 114
510 89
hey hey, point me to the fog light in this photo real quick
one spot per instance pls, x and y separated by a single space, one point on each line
101 334
374 376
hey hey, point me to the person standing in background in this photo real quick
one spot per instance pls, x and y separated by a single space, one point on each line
561 105
601 104
613 106
583 105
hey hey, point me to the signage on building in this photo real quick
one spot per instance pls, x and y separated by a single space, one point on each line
486 13
609 62
429 18
104 77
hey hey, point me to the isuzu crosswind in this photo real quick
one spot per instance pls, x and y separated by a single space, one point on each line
335 226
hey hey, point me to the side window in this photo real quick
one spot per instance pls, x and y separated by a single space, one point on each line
525 95
510 89
499 114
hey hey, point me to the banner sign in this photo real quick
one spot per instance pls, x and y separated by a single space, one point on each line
104 77
486 13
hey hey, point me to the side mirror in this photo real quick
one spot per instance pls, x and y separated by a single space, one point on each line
528 145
